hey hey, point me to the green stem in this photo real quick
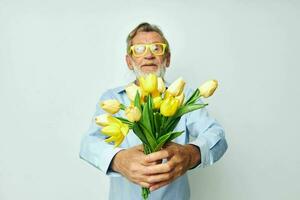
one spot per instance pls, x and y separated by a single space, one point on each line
122 107
145 193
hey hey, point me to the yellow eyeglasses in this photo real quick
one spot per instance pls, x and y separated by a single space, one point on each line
139 50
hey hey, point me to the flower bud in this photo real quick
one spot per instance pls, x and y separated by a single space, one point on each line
208 88
169 106
148 83
155 94
111 106
131 91
176 87
116 130
132 113
157 102
160 85
180 98
102 120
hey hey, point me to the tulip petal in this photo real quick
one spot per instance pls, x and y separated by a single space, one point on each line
119 141
124 129
111 130
110 139
111 106
176 87
113 120
102 120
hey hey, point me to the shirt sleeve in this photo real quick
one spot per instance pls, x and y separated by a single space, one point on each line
94 149
208 134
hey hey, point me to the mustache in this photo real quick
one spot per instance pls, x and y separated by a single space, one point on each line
149 64
160 72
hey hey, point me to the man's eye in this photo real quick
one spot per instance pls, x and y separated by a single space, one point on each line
139 49
154 48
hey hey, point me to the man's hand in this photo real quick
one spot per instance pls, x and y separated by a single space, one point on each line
180 159
148 171
132 164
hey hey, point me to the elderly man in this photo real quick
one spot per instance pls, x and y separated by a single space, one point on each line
202 143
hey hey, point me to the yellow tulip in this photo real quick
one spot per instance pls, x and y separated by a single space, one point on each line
157 102
155 94
180 98
111 106
124 129
132 113
176 87
160 85
208 88
102 120
116 130
113 120
167 95
148 83
169 106
131 91
116 139
111 130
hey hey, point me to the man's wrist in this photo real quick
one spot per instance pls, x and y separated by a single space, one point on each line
195 155
114 166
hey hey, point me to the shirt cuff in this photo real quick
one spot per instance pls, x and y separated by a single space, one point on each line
204 145
201 143
108 157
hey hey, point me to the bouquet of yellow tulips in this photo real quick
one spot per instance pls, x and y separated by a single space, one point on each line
153 113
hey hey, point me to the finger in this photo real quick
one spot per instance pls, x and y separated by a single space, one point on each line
144 184
159 168
151 163
156 156
169 144
139 147
160 178
159 185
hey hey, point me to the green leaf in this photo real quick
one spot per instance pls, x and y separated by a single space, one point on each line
167 123
137 101
163 124
147 149
165 138
149 136
125 121
161 141
171 126
157 123
188 108
193 97
175 135
139 133
146 118
150 112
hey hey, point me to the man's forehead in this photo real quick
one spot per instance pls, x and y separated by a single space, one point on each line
146 37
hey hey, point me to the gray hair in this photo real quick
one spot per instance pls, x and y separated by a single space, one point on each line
146 27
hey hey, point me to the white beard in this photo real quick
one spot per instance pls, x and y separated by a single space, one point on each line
160 72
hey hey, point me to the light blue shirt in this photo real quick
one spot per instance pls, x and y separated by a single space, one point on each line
200 129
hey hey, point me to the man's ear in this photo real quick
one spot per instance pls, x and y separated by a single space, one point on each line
168 57
129 62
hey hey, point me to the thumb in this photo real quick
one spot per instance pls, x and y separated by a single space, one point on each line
140 147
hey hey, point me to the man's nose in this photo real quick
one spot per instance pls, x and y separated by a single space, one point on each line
149 54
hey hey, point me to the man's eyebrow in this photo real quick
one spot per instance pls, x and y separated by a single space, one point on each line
149 43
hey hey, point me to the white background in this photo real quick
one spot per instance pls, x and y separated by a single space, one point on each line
57 57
